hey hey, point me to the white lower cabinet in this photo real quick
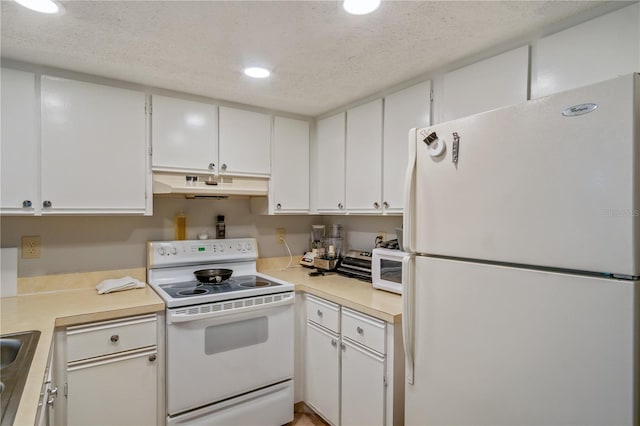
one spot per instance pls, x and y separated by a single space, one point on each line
362 385
112 373
322 377
353 366
115 390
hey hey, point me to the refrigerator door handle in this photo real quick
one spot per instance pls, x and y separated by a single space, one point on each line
409 196
407 314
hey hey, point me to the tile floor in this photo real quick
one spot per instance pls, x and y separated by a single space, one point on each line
304 416
307 419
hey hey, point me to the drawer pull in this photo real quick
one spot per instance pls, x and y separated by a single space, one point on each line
334 343
319 312
115 338
152 357
360 331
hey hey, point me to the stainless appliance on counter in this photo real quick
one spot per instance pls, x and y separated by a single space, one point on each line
229 344
356 264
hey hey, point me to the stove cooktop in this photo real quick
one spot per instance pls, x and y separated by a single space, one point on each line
193 292
233 284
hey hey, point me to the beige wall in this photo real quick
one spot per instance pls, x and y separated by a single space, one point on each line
93 243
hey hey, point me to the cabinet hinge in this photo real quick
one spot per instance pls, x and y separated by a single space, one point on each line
65 389
431 95
148 109
384 381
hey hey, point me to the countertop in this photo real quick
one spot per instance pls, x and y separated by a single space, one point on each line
349 292
44 303
44 311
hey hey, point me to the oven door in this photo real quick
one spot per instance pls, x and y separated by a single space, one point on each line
220 350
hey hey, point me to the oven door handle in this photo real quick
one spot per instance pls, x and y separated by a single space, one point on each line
219 309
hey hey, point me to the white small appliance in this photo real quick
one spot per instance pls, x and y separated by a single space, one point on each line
521 302
229 343
387 267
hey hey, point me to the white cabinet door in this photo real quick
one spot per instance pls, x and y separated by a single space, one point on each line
493 83
94 148
322 372
403 110
185 135
20 170
245 142
290 176
116 390
330 159
600 49
363 386
364 158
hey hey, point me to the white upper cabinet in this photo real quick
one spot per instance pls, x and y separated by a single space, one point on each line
185 135
493 83
289 188
330 159
245 142
597 50
94 148
364 158
19 144
403 110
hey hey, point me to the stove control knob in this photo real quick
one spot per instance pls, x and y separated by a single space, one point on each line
240 247
161 251
221 248
174 251
249 246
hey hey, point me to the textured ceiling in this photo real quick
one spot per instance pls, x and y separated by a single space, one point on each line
321 57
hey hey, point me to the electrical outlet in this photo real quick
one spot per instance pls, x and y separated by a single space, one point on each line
280 234
382 235
31 247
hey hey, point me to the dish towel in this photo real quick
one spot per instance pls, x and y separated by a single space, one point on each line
118 284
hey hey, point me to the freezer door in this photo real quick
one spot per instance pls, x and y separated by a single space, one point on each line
532 186
505 346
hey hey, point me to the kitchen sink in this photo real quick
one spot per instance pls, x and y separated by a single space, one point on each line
9 349
16 354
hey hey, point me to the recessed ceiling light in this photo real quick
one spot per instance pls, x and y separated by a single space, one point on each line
42 6
257 72
360 7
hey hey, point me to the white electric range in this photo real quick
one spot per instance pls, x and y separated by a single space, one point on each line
214 331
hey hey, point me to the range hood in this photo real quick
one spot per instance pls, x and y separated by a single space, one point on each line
225 186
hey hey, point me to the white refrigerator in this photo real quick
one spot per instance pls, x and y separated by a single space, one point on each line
521 295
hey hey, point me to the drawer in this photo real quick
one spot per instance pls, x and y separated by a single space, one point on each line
364 329
108 337
323 312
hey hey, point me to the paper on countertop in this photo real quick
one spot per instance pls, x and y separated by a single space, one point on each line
118 284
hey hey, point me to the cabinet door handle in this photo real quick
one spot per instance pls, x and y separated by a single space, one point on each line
319 312
343 347
224 167
385 205
115 338
340 206
46 203
334 343
53 392
26 203
152 357
278 206
376 205
360 331
212 166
